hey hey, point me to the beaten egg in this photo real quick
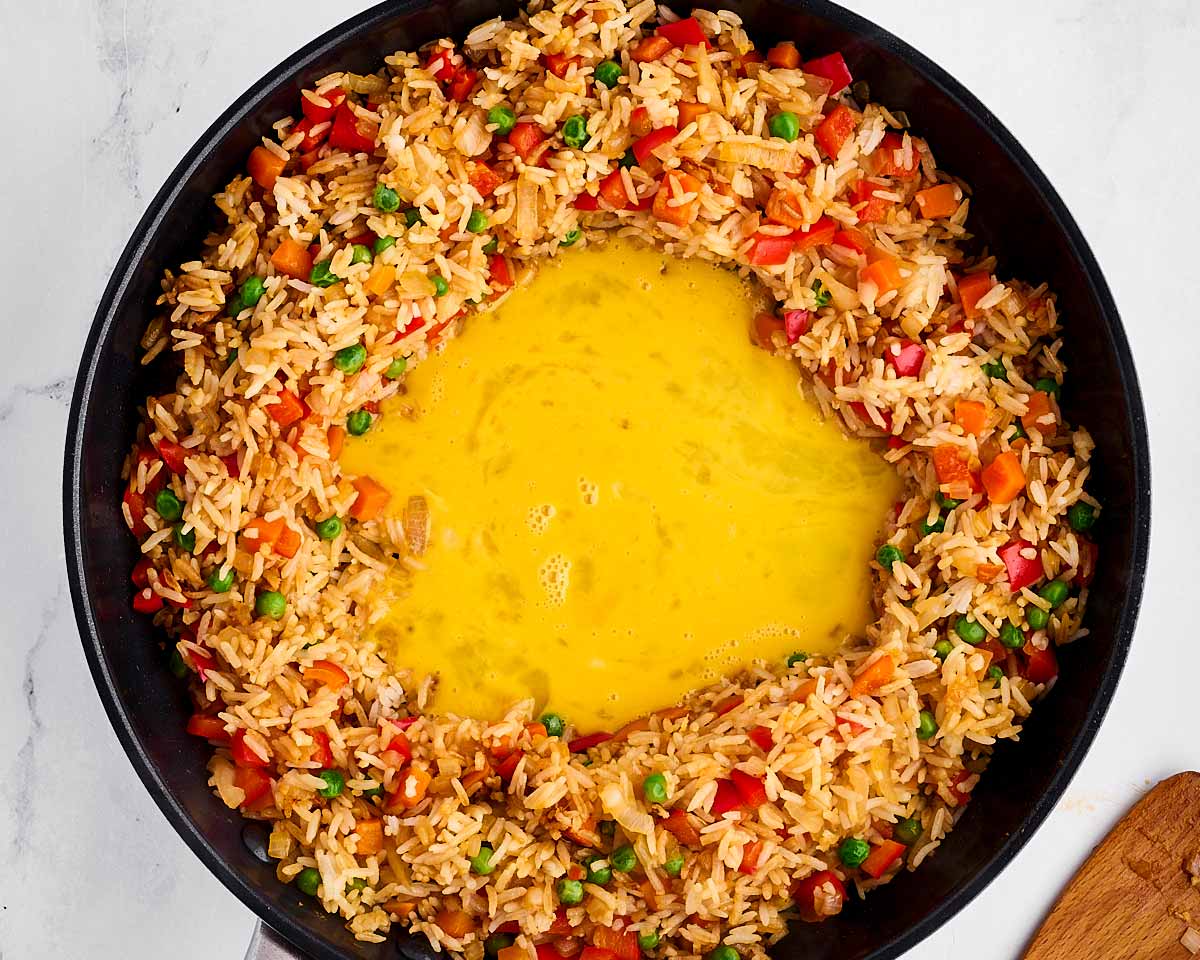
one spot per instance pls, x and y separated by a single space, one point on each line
627 498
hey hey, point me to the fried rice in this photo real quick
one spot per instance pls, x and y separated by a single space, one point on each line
360 224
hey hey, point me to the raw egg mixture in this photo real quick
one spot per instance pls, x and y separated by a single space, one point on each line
627 498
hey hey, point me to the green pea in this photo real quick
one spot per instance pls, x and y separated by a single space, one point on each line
321 275
168 506
628 159
995 673
1037 618
970 631
385 199
574 131
785 125
412 216
554 724
358 423
270 603
481 863
888 554
942 649
937 526
252 291
184 540
927 725
358 883
794 658
235 305
1055 593
674 866
1081 517
350 359
497 942
853 851
945 502
822 295
503 119
491 246
1011 636
329 528
996 370
440 286
396 368
648 941
308 880
572 236
907 831
334 784
570 892
477 222
623 859
597 875
1049 385
221 583
375 791
724 952
654 788
608 73
176 665
382 243
360 253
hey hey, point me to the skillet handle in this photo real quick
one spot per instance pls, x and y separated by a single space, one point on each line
266 944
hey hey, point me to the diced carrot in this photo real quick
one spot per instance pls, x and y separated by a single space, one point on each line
484 179
988 572
881 857
525 138
971 415
883 274
936 203
612 191
783 207
327 673
683 214
410 789
833 132
650 48
640 725
292 258
869 207
1003 478
784 55
804 691
621 943
876 675
1040 407
401 908
689 111
561 65
971 289
851 239
884 162
680 826
380 279
751 854
260 533
454 923
372 498
512 952
536 731
949 462
265 167
288 542
208 726
639 122
370 836
336 437
287 409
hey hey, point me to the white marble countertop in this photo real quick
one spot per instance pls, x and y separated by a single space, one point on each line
105 96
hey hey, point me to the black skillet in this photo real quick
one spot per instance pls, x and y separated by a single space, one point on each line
1016 213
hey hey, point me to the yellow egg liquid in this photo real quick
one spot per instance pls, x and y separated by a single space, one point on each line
628 499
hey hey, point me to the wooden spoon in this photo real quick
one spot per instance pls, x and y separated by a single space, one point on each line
1134 898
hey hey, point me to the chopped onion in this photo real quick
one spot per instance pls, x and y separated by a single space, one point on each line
416 524
842 296
473 138
777 157
525 224
827 902
816 86
625 810
1190 940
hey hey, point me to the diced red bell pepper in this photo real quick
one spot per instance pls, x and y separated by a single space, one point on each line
173 455
683 33
884 162
639 122
231 464
256 785
400 744
208 726
1022 571
149 458
1089 555
318 114
622 944
443 65
136 502
819 234
645 146
812 909
680 826
795 324
833 68
327 673
761 737
141 572
960 795
499 276
587 741
863 414
311 141
751 854
350 133
1041 666
525 138
612 191
768 251
881 857
243 756
147 601
508 766
321 753
587 203
907 360
463 83
727 798
560 65
871 208
851 240
595 953
833 132
751 789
